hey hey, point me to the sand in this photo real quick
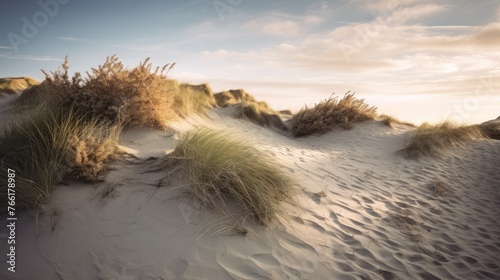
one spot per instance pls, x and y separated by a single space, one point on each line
364 212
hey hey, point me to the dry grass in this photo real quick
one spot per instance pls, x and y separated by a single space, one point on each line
224 171
332 113
48 147
260 113
193 99
135 97
390 121
233 96
16 85
247 107
491 129
434 140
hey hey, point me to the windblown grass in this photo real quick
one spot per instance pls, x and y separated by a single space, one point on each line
434 140
233 96
48 147
491 129
390 121
260 113
330 114
193 99
223 170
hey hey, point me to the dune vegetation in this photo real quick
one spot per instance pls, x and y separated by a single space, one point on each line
223 169
491 129
16 85
50 146
390 121
435 140
193 99
247 107
332 113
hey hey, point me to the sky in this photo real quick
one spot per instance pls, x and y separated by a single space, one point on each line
418 60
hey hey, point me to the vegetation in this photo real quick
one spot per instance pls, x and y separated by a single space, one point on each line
224 169
48 147
330 114
434 140
491 129
390 121
191 99
233 96
16 85
260 113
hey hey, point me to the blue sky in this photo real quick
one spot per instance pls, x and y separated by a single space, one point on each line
419 60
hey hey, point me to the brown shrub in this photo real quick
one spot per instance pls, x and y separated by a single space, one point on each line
332 113
232 97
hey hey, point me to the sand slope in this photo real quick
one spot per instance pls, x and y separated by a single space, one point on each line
365 213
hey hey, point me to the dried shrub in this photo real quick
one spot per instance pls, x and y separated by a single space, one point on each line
332 113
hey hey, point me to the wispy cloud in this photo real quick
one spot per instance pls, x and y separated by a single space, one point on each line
73 39
30 57
5 48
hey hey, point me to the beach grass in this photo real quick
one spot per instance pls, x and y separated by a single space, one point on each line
332 113
48 147
193 99
390 121
223 169
435 140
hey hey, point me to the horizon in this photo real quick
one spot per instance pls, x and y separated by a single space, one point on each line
418 60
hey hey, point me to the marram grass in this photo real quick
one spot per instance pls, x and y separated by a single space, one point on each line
223 169
47 147
332 113
435 140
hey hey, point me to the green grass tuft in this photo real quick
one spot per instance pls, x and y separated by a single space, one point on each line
223 169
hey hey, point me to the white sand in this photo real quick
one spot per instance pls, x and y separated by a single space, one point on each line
365 213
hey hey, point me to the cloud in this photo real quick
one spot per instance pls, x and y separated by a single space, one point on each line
5 48
73 39
274 27
30 57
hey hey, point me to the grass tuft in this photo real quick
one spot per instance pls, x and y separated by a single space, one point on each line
16 85
48 147
390 121
260 113
434 140
491 129
191 99
223 170
332 113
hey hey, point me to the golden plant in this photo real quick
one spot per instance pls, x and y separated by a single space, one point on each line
332 113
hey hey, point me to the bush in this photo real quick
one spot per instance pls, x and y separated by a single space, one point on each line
48 147
434 140
223 168
330 114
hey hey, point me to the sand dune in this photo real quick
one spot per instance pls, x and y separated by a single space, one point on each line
365 213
